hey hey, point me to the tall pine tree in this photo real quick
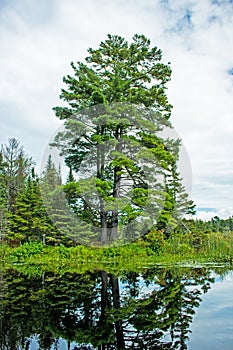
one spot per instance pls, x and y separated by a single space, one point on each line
116 106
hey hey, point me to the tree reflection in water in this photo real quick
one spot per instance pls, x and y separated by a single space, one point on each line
97 310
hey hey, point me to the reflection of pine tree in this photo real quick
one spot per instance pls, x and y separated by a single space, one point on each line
91 308
188 300
168 310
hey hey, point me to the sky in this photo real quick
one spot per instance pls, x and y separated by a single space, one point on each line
39 39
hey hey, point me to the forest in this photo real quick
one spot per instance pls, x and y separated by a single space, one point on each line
123 194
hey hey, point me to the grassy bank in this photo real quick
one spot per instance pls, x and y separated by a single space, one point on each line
212 247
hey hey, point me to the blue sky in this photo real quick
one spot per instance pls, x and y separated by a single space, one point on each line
39 39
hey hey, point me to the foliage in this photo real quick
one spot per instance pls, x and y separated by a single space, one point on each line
122 86
29 219
26 250
15 166
116 106
118 72
154 249
155 239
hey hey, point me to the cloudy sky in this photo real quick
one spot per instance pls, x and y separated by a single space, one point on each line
39 39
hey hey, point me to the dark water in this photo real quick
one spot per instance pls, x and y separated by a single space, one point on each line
158 308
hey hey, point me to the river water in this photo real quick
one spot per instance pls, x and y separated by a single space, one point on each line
176 307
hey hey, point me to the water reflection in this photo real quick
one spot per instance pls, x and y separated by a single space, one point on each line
97 310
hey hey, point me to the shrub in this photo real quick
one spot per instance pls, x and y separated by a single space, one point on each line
27 249
155 240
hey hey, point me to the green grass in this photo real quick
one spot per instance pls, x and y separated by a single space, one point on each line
213 247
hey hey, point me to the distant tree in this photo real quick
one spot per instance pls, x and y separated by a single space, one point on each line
17 167
3 198
215 223
70 177
51 175
231 223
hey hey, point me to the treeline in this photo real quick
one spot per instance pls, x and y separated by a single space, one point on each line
25 210
215 224
24 216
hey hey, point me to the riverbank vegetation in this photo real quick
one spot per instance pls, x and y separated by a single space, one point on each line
153 249
28 235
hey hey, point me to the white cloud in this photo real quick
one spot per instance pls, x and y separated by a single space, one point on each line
201 91
209 213
40 39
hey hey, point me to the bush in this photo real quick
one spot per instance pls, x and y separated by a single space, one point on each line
27 249
155 240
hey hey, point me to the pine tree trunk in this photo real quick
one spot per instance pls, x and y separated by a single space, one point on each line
100 174
115 212
116 190
103 216
114 228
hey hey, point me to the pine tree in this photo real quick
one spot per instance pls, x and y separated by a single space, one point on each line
55 199
177 204
17 168
123 86
29 220
3 198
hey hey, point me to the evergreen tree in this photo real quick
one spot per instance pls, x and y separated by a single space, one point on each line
17 168
177 204
70 177
28 219
51 175
230 220
123 85
3 198
54 196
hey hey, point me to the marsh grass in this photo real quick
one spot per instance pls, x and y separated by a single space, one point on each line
211 247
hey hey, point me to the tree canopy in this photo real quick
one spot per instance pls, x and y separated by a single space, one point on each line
118 72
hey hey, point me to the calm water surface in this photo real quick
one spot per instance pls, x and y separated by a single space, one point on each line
158 308
212 326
